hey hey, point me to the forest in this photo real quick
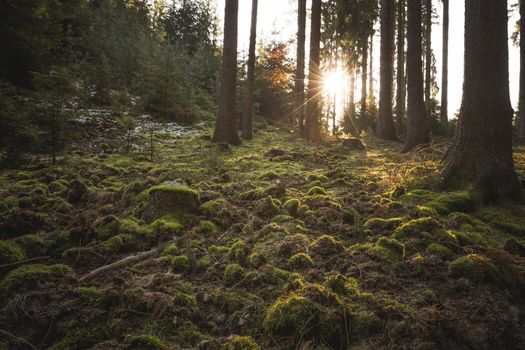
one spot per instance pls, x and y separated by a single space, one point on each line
177 174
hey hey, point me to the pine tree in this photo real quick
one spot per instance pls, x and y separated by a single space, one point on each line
250 79
299 74
313 114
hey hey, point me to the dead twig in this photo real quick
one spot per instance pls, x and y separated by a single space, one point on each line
21 262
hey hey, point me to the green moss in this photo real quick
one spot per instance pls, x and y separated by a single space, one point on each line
166 226
381 224
387 249
341 285
27 274
316 190
180 263
170 250
184 300
504 220
268 175
451 202
145 342
349 216
208 228
327 246
439 250
60 185
292 206
119 243
256 193
237 342
33 245
300 261
214 208
317 177
10 252
91 295
107 227
176 189
291 315
239 252
233 274
474 267
414 228
365 322
10 203
170 200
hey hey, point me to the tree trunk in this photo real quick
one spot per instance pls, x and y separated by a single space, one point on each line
313 118
371 89
248 104
349 124
225 126
385 123
299 74
481 153
521 135
401 79
364 78
428 56
418 125
444 78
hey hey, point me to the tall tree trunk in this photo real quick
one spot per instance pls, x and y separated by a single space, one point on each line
313 117
401 79
225 126
481 153
248 103
428 55
418 124
299 74
349 122
444 78
371 89
364 86
521 135
385 123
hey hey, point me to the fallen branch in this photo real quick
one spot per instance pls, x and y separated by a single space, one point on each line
132 259
21 262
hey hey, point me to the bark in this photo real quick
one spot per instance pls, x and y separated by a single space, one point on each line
247 115
371 89
225 126
428 55
444 78
299 74
364 78
522 72
481 153
418 124
401 78
313 118
349 123
385 123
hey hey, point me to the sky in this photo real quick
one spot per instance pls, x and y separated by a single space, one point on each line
279 16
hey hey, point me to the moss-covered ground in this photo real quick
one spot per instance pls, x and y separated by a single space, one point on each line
275 244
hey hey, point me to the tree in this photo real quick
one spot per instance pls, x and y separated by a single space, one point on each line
385 122
248 105
225 126
481 153
299 74
444 78
418 124
364 77
313 114
400 76
428 55
521 135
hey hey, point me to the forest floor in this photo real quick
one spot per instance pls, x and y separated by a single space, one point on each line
275 244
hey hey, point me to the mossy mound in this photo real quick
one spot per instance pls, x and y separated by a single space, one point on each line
415 228
316 190
166 226
145 342
10 252
29 275
170 200
439 250
292 206
233 274
474 267
237 342
452 202
387 249
208 228
327 246
300 261
107 227
381 224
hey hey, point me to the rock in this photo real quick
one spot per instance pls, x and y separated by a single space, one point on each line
169 200
353 144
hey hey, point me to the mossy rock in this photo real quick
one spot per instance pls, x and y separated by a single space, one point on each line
233 274
166 226
381 224
237 342
415 228
29 275
170 200
388 249
439 250
300 261
474 267
10 252
327 246
208 228
145 342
